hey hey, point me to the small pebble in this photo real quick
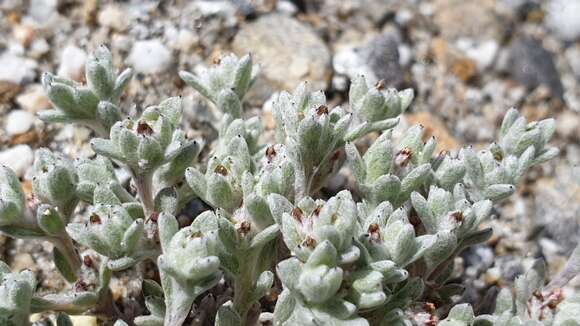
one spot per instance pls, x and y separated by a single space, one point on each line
23 261
84 320
186 40
113 17
18 158
38 48
33 99
18 122
23 34
286 7
16 69
567 125
150 57
482 52
8 90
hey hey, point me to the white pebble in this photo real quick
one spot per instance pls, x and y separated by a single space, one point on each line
18 122
112 16
33 99
72 63
286 7
563 19
149 57
23 34
38 48
186 40
16 69
84 320
483 52
43 12
121 42
18 158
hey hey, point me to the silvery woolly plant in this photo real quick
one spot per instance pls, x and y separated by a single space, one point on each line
379 254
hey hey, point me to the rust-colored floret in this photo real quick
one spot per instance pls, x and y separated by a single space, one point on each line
143 128
457 216
310 242
87 261
270 153
321 110
95 219
220 169
244 227
297 214
317 210
380 85
403 156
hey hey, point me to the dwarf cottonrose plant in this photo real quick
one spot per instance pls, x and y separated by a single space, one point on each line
380 254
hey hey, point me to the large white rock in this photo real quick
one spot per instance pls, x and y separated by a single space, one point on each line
563 18
19 158
150 57
72 63
288 51
18 122
43 12
16 69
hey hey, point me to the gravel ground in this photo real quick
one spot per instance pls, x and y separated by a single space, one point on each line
468 61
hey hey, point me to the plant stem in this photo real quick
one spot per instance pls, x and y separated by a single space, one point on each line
143 182
65 245
97 127
316 170
108 310
244 284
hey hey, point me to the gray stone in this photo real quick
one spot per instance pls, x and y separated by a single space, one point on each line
382 56
557 208
479 259
376 10
531 65
510 267
377 59
288 51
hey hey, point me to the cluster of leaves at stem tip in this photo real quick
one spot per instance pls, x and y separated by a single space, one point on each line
385 258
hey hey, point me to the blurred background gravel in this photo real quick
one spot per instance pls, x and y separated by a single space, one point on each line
467 60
